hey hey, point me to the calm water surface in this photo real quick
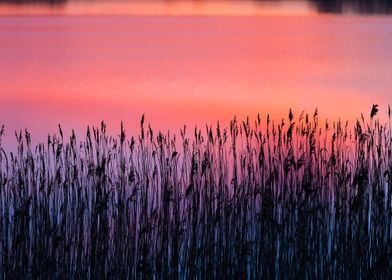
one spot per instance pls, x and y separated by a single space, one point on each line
185 64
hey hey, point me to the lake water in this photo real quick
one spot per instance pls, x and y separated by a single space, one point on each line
78 63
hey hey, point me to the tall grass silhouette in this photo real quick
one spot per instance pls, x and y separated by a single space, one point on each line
258 199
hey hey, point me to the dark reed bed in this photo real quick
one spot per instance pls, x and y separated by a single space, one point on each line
261 199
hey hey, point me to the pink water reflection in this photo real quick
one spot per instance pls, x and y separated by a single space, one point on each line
187 69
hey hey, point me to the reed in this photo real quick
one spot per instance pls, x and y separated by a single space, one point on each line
258 199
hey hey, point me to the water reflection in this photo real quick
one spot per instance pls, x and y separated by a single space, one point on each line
233 6
203 69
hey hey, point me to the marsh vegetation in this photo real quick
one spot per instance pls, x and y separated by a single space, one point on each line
258 199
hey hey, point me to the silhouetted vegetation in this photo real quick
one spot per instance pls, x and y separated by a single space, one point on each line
346 6
47 2
354 6
259 199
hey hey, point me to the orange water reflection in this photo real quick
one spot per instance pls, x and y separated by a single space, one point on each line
160 7
194 70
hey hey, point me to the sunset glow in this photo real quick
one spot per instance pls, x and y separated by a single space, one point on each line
173 8
195 139
204 69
